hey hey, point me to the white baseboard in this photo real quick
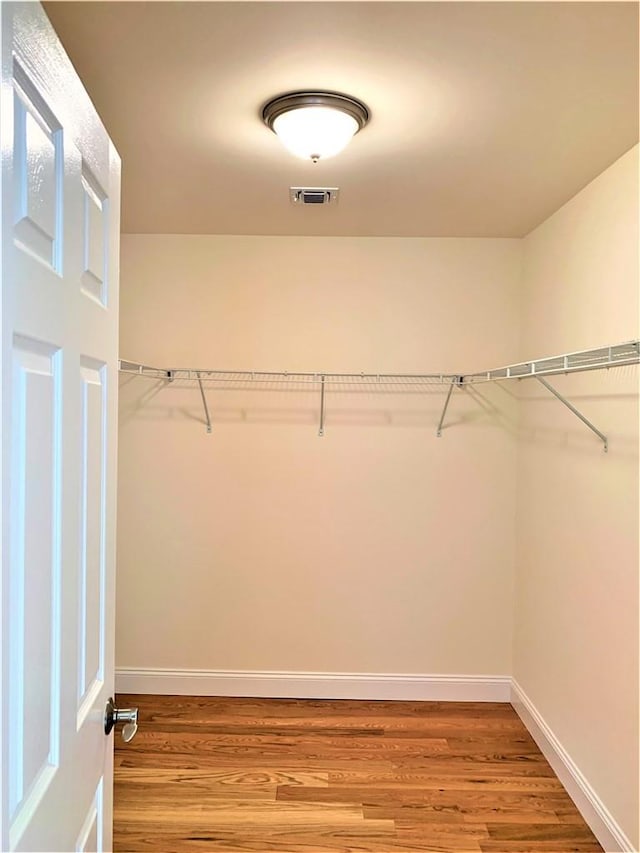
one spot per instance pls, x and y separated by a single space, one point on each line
589 804
314 685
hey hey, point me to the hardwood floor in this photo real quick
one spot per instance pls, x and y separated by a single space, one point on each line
318 776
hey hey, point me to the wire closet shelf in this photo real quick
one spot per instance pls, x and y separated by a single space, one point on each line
600 358
617 355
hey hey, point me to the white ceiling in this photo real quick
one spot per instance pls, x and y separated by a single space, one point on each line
486 117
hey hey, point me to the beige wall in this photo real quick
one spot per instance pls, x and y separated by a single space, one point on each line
576 635
378 548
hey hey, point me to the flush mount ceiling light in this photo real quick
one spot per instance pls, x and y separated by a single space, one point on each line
315 125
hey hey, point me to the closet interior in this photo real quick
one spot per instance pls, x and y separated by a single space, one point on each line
432 613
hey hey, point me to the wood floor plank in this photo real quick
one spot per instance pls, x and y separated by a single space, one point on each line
251 777
194 760
236 812
539 832
509 814
469 799
274 731
343 794
445 765
308 747
163 794
292 776
315 840
448 836
465 782
502 846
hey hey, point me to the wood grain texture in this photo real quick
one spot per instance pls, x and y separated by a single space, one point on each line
303 776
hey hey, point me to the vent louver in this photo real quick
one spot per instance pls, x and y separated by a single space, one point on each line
313 195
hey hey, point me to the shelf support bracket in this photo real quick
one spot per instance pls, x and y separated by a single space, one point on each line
603 438
457 380
204 403
321 430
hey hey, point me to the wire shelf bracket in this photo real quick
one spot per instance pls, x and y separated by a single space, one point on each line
603 438
207 416
455 382
321 429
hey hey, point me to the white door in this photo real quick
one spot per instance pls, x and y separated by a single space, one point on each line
60 224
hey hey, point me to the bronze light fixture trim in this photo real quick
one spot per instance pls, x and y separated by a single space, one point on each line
315 124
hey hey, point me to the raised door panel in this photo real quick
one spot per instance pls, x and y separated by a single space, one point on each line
35 577
95 236
38 186
91 833
91 639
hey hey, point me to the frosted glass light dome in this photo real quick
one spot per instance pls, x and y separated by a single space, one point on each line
315 125
315 133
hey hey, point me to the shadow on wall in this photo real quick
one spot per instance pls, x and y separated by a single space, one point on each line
579 440
494 405
346 406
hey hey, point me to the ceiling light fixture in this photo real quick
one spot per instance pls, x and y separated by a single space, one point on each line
315 125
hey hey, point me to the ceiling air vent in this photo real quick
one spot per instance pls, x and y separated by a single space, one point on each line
314 195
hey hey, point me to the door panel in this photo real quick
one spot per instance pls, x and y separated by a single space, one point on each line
34 576
38 155
60 231
96 237
92 525
91 832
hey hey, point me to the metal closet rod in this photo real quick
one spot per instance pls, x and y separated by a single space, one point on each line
600 358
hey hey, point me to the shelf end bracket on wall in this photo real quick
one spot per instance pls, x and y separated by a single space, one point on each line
603 438
204 403
457 380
